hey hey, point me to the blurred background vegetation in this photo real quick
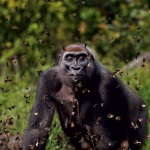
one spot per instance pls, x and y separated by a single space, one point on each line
33 32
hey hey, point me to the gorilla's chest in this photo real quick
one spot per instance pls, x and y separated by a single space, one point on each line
64 95
75 107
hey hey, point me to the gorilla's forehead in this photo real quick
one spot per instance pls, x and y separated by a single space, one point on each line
74 48
76 53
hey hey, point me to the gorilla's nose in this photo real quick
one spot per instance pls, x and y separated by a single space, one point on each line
75 68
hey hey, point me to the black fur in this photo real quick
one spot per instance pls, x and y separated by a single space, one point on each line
97 111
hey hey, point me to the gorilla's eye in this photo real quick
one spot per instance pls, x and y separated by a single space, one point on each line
69 58
82 58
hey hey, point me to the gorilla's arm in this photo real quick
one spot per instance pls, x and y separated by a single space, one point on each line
41 114
127 104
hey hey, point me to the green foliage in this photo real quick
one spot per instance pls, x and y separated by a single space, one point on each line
16 99
32 33
104 25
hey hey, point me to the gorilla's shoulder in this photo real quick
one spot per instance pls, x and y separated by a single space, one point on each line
50 74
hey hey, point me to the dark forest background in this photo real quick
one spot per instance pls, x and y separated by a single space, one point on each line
32 32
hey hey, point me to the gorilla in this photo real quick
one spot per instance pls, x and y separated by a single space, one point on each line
97 111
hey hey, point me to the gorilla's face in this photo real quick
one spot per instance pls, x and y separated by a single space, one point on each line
76 65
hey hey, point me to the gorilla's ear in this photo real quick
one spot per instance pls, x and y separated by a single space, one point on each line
59 55
89 52
92 57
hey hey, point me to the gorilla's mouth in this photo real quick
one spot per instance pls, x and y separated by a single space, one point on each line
75 75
